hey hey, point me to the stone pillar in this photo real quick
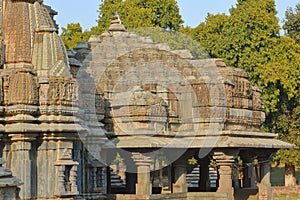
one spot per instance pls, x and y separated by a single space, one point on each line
143 186
169 189
78 157
131 180
73 178
249 177
22 164
204 183
65 171
108 180
180 185
264 185
46 157
131 175
225 161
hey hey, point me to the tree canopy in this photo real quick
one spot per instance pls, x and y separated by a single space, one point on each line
73 34
134 14
292 23
175 40
241 38
248 38
140 13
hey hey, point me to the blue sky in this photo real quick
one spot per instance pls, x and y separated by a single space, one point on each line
192 11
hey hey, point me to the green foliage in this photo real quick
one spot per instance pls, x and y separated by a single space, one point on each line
106 11
249 39
118 159
241 38
192 161
210 34
175 40
140 13
279 77
73 34
167 14
292 23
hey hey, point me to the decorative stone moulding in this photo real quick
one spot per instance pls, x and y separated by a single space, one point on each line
61 90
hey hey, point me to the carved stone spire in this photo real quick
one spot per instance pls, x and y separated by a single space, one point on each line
31 39
17 35
116 24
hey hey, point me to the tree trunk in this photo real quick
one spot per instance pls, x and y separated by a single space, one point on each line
290 175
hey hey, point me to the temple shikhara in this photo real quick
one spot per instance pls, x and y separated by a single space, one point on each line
178 126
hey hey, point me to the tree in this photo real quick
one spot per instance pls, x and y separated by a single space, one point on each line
167 14
175 40
279 78
242 37
73 34
210 33
283 84
106 11
134 14
140 13
249 39
292 23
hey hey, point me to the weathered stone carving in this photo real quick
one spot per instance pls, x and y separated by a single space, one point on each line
62 91
23 88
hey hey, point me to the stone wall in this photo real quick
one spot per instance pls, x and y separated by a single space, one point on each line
282 190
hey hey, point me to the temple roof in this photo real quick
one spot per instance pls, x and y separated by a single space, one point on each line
224 140
205 99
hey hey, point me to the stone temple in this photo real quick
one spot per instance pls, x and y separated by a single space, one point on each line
67 115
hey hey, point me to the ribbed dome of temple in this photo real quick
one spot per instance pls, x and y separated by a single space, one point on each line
199 94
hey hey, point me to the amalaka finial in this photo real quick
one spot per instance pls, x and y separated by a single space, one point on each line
116 24
117 17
